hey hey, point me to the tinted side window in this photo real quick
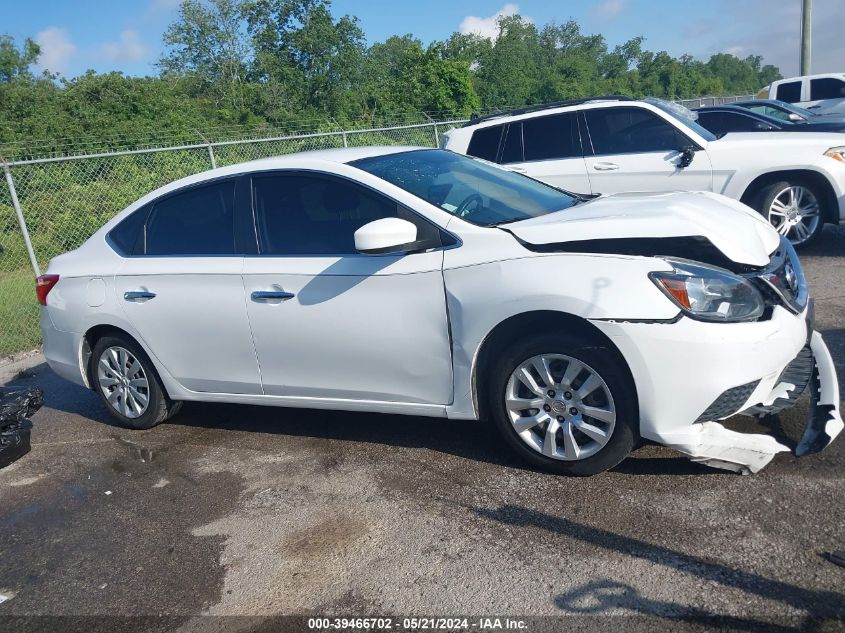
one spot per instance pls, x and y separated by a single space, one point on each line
630 130
554 136
199 221
720 123
298 214
512 145
789 92
827 88
485 143
127 236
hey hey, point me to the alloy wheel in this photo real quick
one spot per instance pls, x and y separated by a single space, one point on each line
560 407
123 382
795 213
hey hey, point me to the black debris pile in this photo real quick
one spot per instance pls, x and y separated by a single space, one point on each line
16 406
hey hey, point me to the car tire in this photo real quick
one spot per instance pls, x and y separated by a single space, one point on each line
559 350
773 202
128 385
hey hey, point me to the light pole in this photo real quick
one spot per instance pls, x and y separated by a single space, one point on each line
806 35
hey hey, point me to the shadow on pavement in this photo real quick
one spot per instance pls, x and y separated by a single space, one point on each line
821 604
601 596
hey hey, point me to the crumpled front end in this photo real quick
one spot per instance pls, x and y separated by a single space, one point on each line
714 445
690 375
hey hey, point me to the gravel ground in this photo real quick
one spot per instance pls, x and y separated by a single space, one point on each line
251 511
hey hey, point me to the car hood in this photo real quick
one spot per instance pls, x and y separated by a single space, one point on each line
619 221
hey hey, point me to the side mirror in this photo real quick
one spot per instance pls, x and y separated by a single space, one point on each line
687 156
388 235
795 118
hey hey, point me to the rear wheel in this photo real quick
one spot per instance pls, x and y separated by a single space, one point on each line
563 404
128 385
794 209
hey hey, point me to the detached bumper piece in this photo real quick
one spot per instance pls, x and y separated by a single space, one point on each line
15 407
825 419
716 446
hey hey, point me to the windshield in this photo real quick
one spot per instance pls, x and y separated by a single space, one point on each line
471 189
777 109
684 115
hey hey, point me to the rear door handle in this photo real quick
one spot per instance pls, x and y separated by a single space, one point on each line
138 295
271 295
605 166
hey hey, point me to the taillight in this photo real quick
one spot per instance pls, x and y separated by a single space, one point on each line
43 285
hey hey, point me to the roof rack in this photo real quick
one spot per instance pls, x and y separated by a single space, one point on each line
475 119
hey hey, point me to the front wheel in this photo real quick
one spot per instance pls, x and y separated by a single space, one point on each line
794 209
564 404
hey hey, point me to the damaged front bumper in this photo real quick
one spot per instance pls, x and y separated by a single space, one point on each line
712 444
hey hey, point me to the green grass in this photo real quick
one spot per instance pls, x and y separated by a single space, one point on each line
19 329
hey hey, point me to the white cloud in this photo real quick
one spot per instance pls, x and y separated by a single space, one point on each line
487 27
128 49
56 49
162 6
611 8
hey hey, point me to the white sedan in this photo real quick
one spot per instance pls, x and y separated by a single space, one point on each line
422 282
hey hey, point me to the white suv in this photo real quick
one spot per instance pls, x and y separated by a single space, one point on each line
613 144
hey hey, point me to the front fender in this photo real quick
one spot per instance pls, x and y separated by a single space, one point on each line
601 287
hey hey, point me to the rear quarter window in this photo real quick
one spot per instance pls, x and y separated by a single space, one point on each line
485 143
126 237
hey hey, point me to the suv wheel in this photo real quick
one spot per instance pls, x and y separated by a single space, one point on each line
564 405
794 209
128 385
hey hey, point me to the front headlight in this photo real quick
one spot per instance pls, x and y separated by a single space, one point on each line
836 153
710 294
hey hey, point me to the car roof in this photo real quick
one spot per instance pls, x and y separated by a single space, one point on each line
730 107
816 76
475 119
333 155
772 102
315 159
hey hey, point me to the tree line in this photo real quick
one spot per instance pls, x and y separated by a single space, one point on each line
293 63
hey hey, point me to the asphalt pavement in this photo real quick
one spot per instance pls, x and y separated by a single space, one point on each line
253 511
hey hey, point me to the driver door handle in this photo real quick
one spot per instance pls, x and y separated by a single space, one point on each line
271 295
138 295
605 166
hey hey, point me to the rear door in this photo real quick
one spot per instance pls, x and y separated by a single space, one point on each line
547 148
633 149
825 93
182 289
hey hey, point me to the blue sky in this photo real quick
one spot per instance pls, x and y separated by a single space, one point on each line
126 34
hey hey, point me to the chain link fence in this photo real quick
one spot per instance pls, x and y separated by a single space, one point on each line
63 201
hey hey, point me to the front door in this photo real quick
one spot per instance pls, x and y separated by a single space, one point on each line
634 149
330 323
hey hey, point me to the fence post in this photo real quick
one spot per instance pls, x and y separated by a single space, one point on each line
211 156
436 135
345 142
17 205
